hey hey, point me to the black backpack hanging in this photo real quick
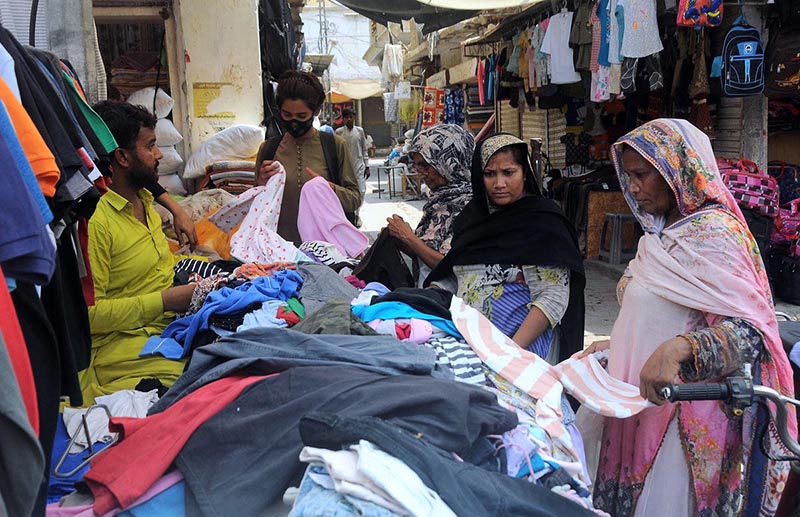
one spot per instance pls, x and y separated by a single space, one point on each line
783 61
743 67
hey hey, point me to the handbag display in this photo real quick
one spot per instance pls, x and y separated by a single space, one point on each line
750 187
788 177
787 225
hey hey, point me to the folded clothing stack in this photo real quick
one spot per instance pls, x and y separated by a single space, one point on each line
233 176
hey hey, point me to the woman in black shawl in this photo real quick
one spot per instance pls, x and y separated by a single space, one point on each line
515 256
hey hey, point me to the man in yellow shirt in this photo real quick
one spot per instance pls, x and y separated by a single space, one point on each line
131 263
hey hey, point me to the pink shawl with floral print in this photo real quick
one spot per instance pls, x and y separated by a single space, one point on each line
708 262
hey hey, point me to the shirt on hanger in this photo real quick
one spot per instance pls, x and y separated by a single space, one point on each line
615 34
41 159
26 251
605 32
640 36
556 44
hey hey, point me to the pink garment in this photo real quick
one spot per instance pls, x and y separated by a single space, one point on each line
588 381
525 370
596 37
601 84
167 481
413 330
584 378
321 218
258 209
355 281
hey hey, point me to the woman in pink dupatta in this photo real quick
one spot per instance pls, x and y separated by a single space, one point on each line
695 306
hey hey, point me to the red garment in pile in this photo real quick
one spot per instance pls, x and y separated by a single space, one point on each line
289 316
148 446
18 353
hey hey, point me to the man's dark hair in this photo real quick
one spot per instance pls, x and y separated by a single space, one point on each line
124 120
295 84
347 112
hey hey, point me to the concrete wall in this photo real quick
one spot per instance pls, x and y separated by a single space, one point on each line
71 37
222 80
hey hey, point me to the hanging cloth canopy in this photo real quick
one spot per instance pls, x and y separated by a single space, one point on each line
357 88
385 11
485 4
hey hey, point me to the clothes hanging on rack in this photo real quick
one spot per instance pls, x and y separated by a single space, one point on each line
454 106
640 34
556 44
52 146
580 38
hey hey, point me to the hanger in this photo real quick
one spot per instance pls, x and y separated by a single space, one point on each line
563 7
90 449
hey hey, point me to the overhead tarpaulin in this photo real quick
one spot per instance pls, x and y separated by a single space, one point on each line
485 4
357 88
385 11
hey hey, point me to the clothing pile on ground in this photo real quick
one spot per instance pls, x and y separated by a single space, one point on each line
298 379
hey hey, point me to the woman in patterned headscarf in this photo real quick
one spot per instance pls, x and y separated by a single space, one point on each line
515 256
695 306
441 156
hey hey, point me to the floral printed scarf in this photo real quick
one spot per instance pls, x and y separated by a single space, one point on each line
448 149
708 262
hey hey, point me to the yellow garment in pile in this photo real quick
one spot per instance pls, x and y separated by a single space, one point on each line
131 264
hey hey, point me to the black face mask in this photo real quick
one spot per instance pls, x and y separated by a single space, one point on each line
297 128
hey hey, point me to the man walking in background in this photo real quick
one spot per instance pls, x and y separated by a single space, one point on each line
356 139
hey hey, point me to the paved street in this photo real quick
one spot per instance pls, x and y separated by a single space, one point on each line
376 209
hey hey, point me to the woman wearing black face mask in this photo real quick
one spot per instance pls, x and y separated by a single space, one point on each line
299 98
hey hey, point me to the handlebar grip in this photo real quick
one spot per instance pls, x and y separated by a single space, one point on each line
699 391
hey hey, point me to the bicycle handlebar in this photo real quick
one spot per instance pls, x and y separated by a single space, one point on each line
697 391
738 391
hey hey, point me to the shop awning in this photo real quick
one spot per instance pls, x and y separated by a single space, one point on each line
504 28
385 11
357 88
